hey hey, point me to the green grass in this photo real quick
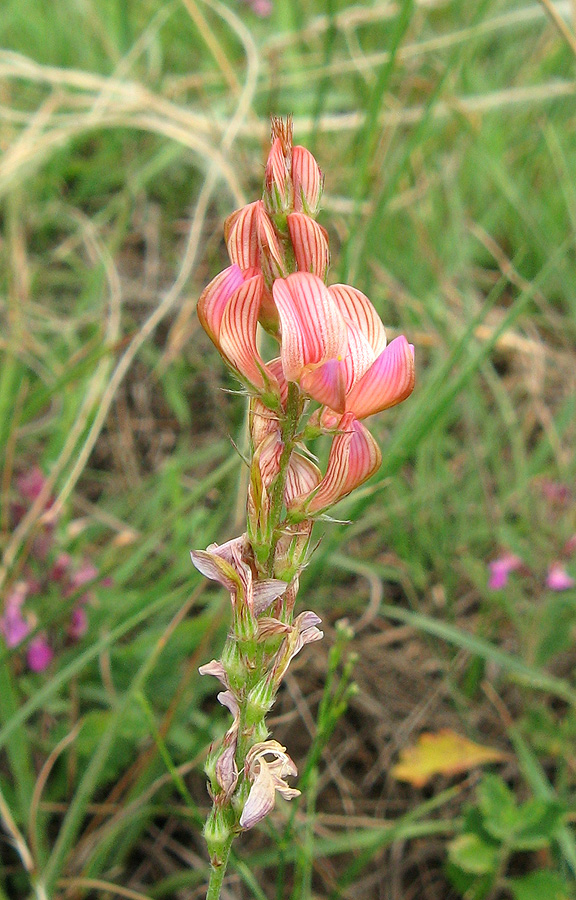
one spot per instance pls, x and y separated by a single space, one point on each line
129 131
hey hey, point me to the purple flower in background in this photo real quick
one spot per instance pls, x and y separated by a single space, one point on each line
13 625
558 578
500 569
262 8
39 654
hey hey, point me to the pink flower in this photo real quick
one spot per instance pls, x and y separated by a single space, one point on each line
354 457
39 654
558 578
78 623
31 483
500 570
228 311
334 346
13 625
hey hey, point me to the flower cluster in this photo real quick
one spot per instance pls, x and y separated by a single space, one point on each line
49 568
332 370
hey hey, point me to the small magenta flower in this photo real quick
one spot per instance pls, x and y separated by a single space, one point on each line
558 578
266 777
13 625
39 654
500 570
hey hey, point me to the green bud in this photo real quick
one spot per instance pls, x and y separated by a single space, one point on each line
233 662
259 701
217 831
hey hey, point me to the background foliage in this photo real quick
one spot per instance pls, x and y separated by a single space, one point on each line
446 131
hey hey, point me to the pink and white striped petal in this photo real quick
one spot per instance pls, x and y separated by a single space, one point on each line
237 336
356 308
387 382
271 253
326 383
241 233
214 298
308 181
313 329
302 478
354 457
310 243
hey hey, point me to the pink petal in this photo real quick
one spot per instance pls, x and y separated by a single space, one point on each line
558 578
31 483
241 234
215 668
217 569
272 259
354 457
78 623
302 478
310 244
14 627
214 298
356 308
238 332
500 570
39 654
265 592
326 383
277 180
387 382
308 181
313 330
260 800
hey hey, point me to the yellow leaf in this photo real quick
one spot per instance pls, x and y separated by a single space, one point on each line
442 753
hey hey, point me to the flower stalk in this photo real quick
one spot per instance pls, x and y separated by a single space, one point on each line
333 370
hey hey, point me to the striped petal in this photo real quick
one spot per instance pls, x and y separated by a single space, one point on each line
237 338
302 478
313 330
354 457
214 298
308 181
271 254
387 382
356 308
241 234
277 181
310 244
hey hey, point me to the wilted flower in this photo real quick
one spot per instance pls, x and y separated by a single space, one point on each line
266 777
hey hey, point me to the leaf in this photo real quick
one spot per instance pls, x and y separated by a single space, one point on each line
471 854
538 885
497 804
442 753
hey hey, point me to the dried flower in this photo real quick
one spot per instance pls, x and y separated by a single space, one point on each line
266 777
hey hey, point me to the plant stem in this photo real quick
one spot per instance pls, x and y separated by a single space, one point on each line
289 428
217 872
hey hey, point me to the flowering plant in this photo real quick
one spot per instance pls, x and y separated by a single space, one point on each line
332 350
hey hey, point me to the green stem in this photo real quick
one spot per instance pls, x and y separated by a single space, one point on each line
217 872
289 429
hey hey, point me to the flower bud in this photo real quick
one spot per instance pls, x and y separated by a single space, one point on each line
278 190
308 182
310 244
217 831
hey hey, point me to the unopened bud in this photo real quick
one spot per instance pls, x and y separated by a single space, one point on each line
260 700
217 831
